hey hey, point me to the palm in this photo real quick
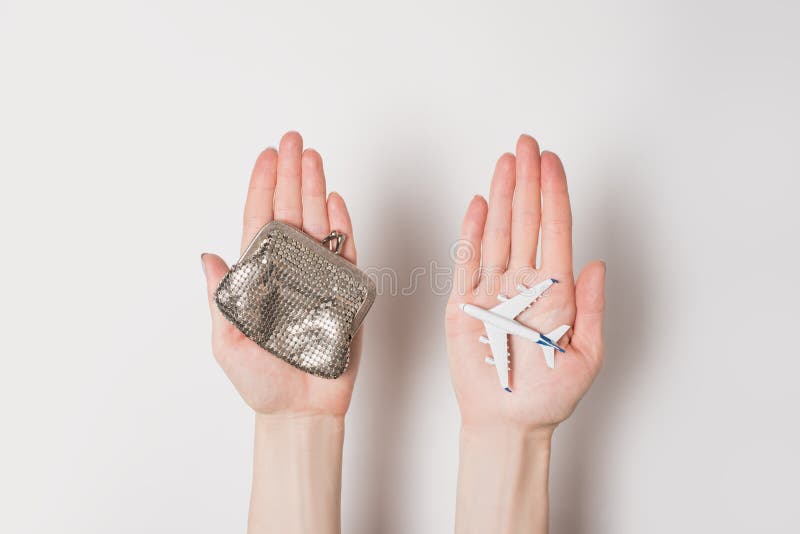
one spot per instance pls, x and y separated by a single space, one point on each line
506 235
287 185
269 385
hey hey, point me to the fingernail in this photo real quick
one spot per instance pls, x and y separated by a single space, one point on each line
203 262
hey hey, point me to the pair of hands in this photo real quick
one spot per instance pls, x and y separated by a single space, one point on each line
528 196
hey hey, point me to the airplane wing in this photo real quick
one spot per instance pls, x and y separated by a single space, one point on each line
516 305
498 341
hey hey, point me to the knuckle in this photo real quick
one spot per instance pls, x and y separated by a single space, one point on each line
529 217
497 232
251 220
287 212
558 227
315 229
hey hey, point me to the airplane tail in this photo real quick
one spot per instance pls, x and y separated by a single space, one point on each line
550 352
558 333
549 356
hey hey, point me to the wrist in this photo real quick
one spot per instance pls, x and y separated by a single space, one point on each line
536 433
503 478
511 446
305 440
299 432
296 473
305 420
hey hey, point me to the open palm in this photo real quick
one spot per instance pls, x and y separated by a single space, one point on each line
286 185
497 252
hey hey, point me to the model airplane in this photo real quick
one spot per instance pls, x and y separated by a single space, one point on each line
499 322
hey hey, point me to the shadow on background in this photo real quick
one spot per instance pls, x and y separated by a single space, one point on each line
577 474
403 328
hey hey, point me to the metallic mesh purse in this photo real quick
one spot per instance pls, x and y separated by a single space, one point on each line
297 298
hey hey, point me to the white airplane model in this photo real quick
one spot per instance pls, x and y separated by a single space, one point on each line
499 322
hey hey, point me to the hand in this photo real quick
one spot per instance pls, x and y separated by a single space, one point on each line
286 185
503 239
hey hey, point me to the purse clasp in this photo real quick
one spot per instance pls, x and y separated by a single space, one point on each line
334 241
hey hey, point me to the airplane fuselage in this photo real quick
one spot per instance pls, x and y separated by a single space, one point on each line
508 325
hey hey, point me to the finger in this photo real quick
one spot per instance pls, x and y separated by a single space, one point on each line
590 304
556 217
526 211
497 234
214 269
339 220
466 253
315 208
258 206
287 203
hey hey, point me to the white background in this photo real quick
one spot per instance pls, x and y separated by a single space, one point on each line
127 133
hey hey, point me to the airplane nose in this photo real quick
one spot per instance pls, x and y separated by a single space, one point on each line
462 306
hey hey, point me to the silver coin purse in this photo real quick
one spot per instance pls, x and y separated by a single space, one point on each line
297 298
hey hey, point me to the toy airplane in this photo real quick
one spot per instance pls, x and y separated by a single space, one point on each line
499 322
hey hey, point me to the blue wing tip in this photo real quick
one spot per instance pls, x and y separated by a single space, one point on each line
507 389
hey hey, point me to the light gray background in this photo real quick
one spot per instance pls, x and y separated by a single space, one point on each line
127 133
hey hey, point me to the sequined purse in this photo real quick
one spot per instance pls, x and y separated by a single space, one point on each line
297 298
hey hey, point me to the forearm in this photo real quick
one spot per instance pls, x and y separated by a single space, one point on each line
502 480
297 474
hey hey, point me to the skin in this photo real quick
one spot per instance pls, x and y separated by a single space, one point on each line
299 422
505 438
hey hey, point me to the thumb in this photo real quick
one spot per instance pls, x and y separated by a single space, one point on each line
214 268
590 304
